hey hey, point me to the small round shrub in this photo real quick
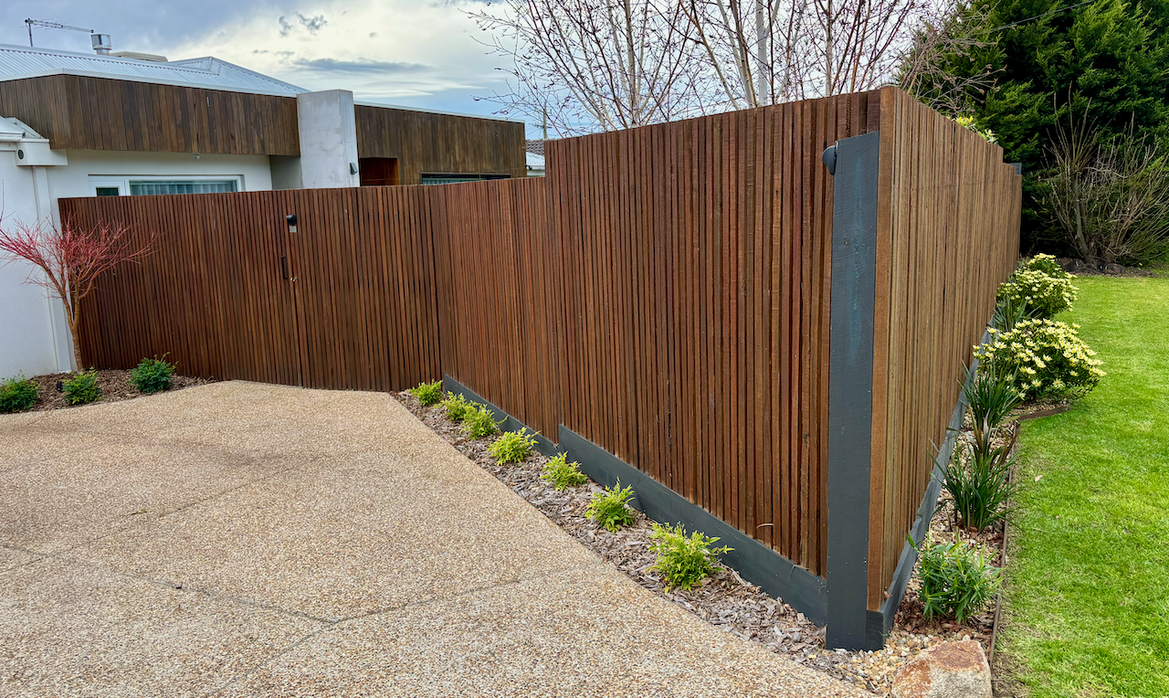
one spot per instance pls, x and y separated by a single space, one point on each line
563 474
1047 358
610 508
82 388
152 375
427 393
1040 286
456 407
479 421
684 561
17 394
512 446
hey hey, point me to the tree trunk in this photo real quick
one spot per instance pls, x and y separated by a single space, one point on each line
76 344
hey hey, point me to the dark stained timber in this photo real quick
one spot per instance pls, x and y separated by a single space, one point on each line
664 294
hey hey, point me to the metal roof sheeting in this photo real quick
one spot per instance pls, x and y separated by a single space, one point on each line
17 62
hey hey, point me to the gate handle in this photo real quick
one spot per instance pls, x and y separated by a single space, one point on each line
284 267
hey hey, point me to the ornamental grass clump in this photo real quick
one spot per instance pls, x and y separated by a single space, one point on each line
990 397
956 581
1008 313
978 480
152 375
82 388
561 474
512 446
684 561
456 407
977 475
1041 286
1047 357
610 508
479 421
427 393
17 394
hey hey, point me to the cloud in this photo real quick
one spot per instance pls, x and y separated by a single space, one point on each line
422 53
360 65
313 24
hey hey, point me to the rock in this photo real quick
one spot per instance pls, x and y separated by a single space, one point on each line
948 670
1114 269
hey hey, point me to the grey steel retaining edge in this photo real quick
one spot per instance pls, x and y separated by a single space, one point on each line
506 421
755 562
880 623
850 388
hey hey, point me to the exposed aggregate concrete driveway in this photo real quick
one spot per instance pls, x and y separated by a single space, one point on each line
240 539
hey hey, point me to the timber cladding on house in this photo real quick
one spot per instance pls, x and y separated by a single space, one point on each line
90 113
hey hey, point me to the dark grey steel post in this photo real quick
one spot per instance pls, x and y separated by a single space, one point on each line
850 387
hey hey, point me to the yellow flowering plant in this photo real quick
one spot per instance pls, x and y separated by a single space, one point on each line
1047 358
1041 286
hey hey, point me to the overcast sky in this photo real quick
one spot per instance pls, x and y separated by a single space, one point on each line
422 53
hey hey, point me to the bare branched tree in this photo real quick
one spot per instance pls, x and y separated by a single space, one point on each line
605 64
588 64
944 66
1110 199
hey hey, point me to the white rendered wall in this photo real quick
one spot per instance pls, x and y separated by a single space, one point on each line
73 180
34 337
328 139
28 343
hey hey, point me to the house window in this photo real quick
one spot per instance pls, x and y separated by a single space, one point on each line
181 186
142 185
455 178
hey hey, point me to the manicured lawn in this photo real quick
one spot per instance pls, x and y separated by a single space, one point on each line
1088 587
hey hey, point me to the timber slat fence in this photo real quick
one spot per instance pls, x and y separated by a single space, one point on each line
664 293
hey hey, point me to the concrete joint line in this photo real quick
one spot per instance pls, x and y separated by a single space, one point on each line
333 624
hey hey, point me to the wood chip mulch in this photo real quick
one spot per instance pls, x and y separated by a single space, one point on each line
115 386
726 600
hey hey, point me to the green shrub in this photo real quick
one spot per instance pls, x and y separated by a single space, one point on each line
456 407
1045 264
1047 357
82 388
427 393
683 561
1041 286
978 480
512 446
152 375
610 509
480 421
17 394
563 474
956 581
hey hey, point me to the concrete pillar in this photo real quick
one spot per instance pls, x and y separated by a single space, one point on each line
328 139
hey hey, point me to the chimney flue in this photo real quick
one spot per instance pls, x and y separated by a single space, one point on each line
101 43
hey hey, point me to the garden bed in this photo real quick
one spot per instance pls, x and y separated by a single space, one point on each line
725 600
114 383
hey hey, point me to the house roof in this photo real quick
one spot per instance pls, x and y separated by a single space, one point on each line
536 147
18 62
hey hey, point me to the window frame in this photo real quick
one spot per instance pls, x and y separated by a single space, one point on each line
122 182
